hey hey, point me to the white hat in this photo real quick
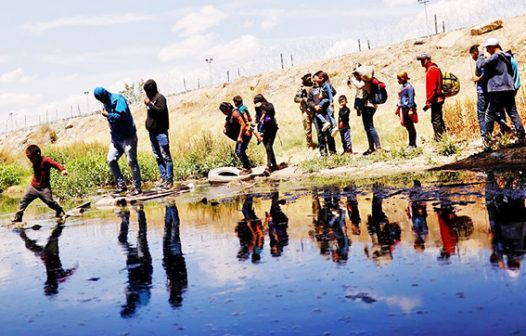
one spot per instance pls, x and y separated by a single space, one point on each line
491 42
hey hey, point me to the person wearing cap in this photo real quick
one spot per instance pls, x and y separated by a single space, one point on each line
480 78
501 90
407 107
434 96
123 138
307 114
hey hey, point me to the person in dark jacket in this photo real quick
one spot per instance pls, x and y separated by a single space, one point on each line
157 124
123 138
266 120
313 103
501 90
434 96
237 129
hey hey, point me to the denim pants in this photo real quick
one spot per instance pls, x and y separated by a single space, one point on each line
33 193
324 139
241 151
482 105
161 151
439 127
129 148
499 101
345 134
368 124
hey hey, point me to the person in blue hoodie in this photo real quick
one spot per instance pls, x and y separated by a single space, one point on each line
123 138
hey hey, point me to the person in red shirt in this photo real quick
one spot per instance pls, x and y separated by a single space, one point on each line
434 96
40 184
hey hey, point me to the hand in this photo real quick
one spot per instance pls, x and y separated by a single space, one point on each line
64 173
104 112
320 96
239 140
410 113
317 108
427 107
359 113
147 101
475 79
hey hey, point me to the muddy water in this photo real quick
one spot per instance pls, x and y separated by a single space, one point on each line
342 260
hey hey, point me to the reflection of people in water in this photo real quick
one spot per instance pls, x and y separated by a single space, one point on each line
277 223
50 256
330 231
417 213
384 235
250 232
507 217
173 259
353 211
138 263
453 228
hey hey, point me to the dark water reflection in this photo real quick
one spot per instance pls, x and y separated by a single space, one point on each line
425 259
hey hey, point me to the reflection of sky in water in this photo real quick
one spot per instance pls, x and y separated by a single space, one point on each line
302 291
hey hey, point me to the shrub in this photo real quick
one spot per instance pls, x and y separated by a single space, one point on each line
10 175
448 146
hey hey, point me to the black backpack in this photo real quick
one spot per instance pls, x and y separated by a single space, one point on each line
378 93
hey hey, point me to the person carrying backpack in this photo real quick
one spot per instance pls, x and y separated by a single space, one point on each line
501 90
363 79
481 80
434 97
314 99
407 107
236 128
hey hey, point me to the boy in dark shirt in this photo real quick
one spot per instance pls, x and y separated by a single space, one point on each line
343 124
40 185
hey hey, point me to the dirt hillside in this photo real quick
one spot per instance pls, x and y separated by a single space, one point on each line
195 111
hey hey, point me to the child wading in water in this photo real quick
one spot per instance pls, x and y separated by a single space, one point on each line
407 107
40 185
343 124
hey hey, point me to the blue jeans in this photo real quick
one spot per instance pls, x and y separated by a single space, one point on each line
241 151
129 148
368 124
482 105
324 139
161 151
498 102
345 134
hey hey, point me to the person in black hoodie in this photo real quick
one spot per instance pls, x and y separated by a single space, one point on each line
268 127
157 124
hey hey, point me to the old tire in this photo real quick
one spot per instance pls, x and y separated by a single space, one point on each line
225 175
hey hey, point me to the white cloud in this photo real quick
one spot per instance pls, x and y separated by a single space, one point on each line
85 21
399 3
239 48
269 23
189 47
18 100
342 47
15 76
199 22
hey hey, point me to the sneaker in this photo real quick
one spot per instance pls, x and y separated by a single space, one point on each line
120 190
134 192
334 132
326 126
167 185
368 152
60 214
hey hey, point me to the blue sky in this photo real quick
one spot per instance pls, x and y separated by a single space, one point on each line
56 50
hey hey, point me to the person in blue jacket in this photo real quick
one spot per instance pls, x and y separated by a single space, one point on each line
123 138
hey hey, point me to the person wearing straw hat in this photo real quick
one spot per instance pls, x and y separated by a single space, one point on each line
501 91
407 107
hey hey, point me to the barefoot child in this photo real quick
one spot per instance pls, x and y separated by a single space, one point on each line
343 124
40 185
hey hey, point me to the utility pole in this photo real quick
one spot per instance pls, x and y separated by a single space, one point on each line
359 45
87 101
209 61
282 65
198 83
425 2
291 61
443 26
436 24
228 76
11 118
368 45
